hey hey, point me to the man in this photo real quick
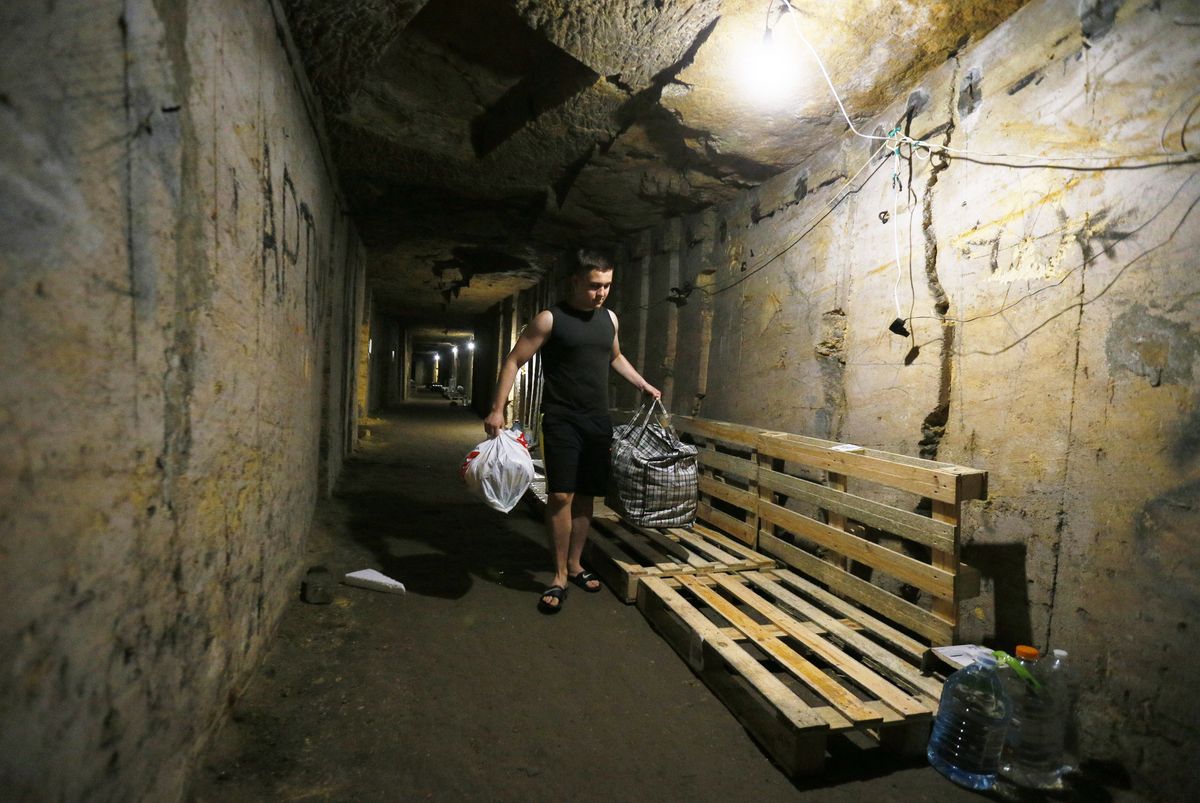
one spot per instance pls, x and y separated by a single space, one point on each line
578 341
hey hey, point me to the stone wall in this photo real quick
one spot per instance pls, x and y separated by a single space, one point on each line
179 286
1053 308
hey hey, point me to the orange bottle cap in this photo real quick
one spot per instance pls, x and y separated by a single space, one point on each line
1027 653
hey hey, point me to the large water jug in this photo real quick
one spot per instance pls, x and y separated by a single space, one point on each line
972 718
1033 749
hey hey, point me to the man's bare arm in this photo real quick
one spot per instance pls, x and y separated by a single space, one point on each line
623 367
527 345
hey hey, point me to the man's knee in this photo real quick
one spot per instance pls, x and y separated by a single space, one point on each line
557 500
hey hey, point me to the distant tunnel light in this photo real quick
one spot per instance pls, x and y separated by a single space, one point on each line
370 345
436 356
471 346
454 350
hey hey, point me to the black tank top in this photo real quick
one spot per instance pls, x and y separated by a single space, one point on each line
576 357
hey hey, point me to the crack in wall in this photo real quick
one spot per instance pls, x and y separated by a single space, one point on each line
126 60
830 353
933 427
1082 237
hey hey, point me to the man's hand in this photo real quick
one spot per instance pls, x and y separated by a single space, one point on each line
650 390
493 424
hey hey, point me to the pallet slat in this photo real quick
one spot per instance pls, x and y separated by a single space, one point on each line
810 675
736 435
901 702
740 530
904 613
727 493
729 464
900 670
922 575
946 483
912 526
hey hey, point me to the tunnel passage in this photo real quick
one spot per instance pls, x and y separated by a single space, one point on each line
235 235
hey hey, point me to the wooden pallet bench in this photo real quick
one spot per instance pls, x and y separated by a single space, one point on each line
832 643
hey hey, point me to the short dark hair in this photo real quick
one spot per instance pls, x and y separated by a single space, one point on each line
587 260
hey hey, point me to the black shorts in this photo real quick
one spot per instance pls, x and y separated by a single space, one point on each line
576 448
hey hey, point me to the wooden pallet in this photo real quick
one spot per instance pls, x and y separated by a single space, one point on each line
793 662
624 555
820 528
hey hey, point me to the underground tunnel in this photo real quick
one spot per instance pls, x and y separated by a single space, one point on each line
916 280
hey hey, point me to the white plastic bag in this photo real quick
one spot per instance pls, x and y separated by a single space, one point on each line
499 470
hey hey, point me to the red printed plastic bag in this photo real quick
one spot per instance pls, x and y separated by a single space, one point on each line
499 470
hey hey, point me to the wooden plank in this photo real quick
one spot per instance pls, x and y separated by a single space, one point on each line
728 544
936 581
892 457
898 610
727 493
900 701
710 551
792 707
812 676
733 634
622 577
837 484
888 717
646 552
940 482
729 464
912 526
707 428
674 547
738 529
897 668
948 513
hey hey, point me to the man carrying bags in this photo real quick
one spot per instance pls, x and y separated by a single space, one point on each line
578 340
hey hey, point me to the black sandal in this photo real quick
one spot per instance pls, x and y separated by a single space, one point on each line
583 578
553 592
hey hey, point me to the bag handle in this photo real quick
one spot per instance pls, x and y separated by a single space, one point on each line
646 412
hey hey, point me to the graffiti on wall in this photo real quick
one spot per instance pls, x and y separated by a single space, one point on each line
291 246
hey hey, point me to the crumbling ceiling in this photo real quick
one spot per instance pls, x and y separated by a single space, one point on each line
478 138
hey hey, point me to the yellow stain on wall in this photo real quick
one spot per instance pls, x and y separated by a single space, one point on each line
1019 213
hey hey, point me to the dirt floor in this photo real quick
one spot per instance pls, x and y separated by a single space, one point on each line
461 690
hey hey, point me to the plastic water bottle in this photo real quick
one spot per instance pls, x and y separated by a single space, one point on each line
1033 750
972 718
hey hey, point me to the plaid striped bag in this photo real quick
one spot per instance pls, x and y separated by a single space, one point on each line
653 478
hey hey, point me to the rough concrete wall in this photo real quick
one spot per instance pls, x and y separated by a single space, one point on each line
364 364
338 413
1055 309
168 265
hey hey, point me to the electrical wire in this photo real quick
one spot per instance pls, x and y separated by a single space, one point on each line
896 228
917 144
895 140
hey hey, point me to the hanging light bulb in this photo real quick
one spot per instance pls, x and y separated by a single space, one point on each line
770 66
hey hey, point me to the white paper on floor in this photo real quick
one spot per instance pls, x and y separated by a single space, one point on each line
376 581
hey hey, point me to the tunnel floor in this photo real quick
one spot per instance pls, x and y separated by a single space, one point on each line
461 690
